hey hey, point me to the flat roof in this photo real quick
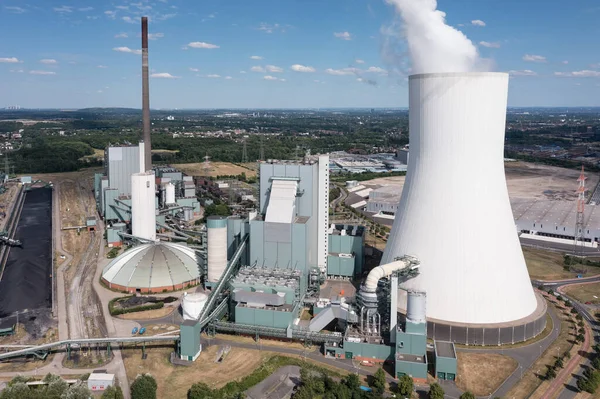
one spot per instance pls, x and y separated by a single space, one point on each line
403 357
445 349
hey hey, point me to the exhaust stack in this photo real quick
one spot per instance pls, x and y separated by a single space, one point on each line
146 98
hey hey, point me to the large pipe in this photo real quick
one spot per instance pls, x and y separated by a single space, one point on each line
146 98
382 271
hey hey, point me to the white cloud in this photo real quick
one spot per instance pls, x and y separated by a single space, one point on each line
9 60
274 69
343 35
270 28
110 14
341 72
269 77
490 44
376 70
534 58
121 35
15 9
63 9
127 50
579 74
48 61
17 70
194 69
124 8
99 91
102 66
86 9
163 75
258 69
242 71
154 36
256 57
302 68
228 77
565 62
42 73
130 20
524 72
595 66
213 76
477 22
359 61
202 45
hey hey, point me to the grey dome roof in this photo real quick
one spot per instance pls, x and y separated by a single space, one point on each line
153 265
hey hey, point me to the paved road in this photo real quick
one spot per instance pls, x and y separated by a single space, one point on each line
568 248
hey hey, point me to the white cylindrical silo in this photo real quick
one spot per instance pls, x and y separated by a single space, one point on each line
216 227
170 189
143 211
454 214
415 306
192 305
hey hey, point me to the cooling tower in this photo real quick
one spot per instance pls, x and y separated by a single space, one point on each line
454 214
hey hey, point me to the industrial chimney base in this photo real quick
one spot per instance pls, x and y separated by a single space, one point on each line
490 334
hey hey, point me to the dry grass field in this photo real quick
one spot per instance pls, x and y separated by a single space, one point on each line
174 382
585 292
546 265
216 169
483 373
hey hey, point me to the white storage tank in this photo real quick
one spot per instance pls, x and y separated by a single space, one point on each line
143 210
415 309
170 189
192 305
217 247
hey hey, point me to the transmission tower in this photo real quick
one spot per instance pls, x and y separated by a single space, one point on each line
579 224
244 153
262 148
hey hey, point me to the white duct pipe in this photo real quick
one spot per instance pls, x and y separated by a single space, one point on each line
383 271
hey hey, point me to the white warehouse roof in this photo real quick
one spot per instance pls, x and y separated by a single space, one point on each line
150 266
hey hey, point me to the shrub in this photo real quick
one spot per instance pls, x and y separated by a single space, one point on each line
114 311
144 387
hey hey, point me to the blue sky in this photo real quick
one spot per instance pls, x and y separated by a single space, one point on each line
279 53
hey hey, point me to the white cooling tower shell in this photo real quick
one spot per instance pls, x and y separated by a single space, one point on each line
454 214
216 227
170 196
143 211
192 305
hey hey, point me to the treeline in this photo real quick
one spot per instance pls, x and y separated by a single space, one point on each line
562 163
46 156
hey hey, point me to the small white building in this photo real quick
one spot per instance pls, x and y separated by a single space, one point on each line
100 381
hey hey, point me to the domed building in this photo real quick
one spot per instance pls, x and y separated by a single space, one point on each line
153 268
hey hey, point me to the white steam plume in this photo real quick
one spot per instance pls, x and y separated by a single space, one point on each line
434 46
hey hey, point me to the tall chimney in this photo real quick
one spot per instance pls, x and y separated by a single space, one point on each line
146 97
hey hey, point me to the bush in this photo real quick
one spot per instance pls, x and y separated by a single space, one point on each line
405 385
435 392
467 395
117 311
112 253
112 392
144 387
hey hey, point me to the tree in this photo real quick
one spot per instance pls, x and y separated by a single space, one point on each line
78 391
559 363
467 395
56 388
550 373
580 337
144 387
405 386
435 392
596 362
200 391
378 382
352 381
112 392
